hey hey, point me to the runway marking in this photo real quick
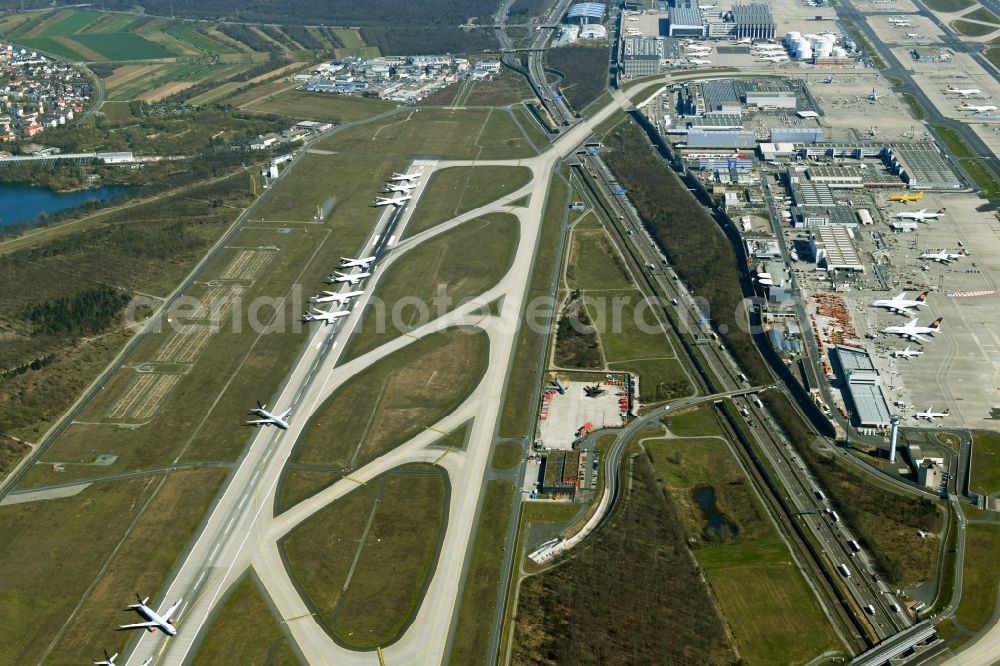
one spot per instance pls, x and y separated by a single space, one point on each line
441 457
215 550
443 432
243 501
229 525
392 239
200 578
253 479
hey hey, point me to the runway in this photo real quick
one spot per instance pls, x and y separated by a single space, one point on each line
242 530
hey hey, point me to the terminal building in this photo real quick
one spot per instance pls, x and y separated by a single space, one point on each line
685 20
702 138
586 12
861 387
642 56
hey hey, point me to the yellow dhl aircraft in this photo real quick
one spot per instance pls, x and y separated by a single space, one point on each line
916 196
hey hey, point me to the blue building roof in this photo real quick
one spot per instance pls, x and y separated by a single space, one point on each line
587 10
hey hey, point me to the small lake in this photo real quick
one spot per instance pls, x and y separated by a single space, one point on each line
23 203
704 496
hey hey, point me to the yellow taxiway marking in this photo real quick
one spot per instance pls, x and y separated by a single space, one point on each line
357 481
378 650
297 617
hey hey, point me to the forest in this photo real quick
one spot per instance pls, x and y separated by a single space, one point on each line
690 238
586 70
84 313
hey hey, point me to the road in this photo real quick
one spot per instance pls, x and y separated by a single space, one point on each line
242 530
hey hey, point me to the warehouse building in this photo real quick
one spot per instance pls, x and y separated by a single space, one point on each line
700 138
796 134
753 20
685 21
861 387
922 166
586 12
810 217
642 56
717 121
833 248
560 472
778 99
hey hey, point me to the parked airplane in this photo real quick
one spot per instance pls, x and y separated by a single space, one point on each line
906 353
773 58
911 331
110 661
351 263
931 415
874 96
977 108
912 35
353 278
699 61
964 92
944 256
900 304
334 297
408 177
745 40
558 385
828 79
906 198
400 187
269 419
920 215
325 317
392 201
153 621
903 227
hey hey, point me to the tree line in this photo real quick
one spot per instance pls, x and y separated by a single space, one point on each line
84 313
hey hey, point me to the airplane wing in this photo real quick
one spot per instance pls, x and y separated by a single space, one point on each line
259 422
138 625
170 611
284 414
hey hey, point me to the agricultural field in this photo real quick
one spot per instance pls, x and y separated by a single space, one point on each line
985 473
392 525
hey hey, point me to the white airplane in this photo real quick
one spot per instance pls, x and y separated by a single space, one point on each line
697 50
944 256
900 304
899 23
773 58
828 79
153 621
874 96
912 35
400 187
353 278
931 415
110 661
346 262
964 92
699 61
325 317
903 227
769 48
269 419
977 108
392 201
745 40
408 177
334 297
920 215
911 331
906 353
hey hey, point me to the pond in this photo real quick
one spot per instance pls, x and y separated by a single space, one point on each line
20 202
717 525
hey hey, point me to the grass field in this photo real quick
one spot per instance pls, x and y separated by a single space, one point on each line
479 595
507 455
628 327
300 484
244 631
508 88
456 190
336 109
970 29
393 400
517 408
40 533
916 108
985 471
982 14
435 277
987 183
694 422
949 5
395 521
749 569
993 55
981 575
594 264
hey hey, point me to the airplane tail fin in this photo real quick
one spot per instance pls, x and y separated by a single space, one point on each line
947 411
922 297
941 211
936 324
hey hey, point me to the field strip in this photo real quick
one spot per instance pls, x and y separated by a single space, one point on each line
206 302
236 265
137 389
155 395
88 54
195 343
165 90
219 313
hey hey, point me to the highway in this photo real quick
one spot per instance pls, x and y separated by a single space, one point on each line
242 530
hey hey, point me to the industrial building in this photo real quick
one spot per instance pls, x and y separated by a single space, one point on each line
642 56
833 246
922 166
700 138
812 217
796 134
717 121
809 193
753 20
778 99
586 12
685 21
861 386
560 472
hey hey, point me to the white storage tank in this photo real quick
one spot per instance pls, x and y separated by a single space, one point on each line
805 53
